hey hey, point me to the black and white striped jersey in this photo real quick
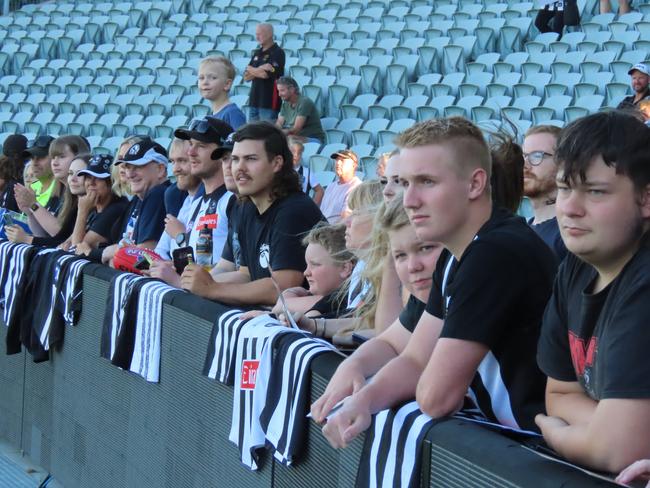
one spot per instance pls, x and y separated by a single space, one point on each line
393 448
222 348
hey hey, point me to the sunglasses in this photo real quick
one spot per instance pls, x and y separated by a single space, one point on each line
202 126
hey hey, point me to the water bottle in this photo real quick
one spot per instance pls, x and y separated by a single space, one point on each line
204 248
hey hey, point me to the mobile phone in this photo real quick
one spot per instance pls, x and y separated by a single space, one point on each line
141 264
180 258
6 219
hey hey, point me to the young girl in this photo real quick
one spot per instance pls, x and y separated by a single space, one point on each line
415 262
329 265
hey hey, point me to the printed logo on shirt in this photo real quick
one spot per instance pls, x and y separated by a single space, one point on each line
249 374
210 220
265 252
583 356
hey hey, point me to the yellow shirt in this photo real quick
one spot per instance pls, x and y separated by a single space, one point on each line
42 197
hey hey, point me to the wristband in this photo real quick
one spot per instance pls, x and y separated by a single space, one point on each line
34 207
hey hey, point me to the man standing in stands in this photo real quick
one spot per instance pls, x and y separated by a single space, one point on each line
308 181
186 182
594 343
265 67
335 201
539 183
299 116
146 170
640 80
481 323
206 228
274 219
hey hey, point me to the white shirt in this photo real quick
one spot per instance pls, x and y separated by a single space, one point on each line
335 199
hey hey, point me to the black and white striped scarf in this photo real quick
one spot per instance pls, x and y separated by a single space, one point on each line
222 348
146 350
132 324
286 401
245 431
15 260
393 448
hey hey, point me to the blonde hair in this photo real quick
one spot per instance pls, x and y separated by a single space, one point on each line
456 133
119 188
227 65
332 239
366 197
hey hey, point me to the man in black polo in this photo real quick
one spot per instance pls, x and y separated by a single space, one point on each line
266 66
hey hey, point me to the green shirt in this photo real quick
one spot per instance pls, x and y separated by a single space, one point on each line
42 197
306 108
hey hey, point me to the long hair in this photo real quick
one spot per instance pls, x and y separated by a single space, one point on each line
70 200
366 198
285 181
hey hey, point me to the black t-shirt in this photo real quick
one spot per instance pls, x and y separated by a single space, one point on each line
231 249
330 306
599 339
264 91
495 295
102 222
549 231
410 315
67 226
275 238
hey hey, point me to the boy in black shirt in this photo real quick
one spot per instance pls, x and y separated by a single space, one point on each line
491 284
594 343
272 222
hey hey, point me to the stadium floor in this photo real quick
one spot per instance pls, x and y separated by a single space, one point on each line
17 471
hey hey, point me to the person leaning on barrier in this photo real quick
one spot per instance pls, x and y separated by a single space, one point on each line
145 163
207 220
186 183
594 343
272 222
481 323
98 209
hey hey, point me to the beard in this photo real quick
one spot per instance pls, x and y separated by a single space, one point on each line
535 187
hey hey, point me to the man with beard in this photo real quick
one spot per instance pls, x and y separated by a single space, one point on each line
640 80
540 170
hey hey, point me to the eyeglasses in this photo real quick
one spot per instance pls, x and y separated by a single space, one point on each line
42 142
535 158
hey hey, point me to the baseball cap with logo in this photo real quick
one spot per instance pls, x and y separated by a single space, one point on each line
145 152
99 166
641 67
210 130
39 147
346 154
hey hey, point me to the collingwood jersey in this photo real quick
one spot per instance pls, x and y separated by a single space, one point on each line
393 448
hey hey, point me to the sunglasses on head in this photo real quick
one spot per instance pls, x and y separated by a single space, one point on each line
202 126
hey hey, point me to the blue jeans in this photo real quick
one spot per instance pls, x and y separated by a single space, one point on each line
258 113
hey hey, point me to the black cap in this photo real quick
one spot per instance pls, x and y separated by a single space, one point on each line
145 152
39 147
207 129
14 145
346 154
99 166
